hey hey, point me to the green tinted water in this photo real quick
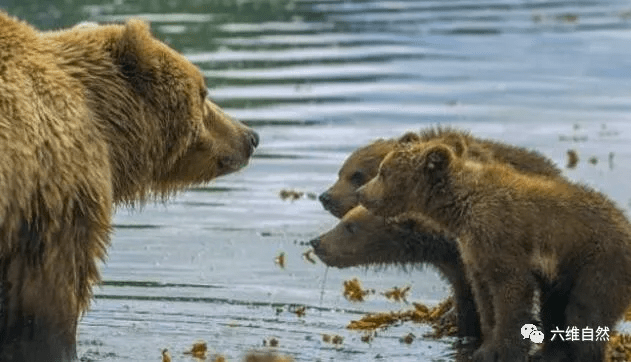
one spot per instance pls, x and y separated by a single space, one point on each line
317 79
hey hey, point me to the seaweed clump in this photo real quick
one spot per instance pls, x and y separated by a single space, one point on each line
420 313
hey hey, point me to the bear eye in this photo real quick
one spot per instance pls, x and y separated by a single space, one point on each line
357 178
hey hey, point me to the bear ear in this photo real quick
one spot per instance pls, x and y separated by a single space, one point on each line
130 54
457 143
438 158
409 137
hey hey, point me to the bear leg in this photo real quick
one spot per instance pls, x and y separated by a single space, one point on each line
554 298
586 310
468 321
467 313
598 299
430 244
512 297
484 300
35 324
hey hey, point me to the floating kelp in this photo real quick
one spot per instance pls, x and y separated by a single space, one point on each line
198 350
397 294
354 292
618 348
420 313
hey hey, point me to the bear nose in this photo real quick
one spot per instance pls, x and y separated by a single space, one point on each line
254 139
315 243
325 198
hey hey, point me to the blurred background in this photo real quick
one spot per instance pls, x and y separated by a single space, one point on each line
317 79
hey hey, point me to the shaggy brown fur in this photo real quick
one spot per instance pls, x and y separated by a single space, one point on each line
89 117
516 231
361 238
359 168
363 163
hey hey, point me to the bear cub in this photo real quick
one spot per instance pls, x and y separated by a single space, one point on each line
517 232
370 240
362 238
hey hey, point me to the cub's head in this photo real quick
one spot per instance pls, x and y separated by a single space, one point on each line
361 166
412 178
361 238
152 103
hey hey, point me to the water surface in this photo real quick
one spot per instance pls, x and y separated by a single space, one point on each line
317 79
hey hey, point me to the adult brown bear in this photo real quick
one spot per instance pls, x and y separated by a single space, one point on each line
90 118
517 232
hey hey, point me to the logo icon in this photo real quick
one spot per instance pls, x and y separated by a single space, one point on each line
536 336
531 331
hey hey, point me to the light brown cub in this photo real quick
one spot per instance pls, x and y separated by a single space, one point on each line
517 231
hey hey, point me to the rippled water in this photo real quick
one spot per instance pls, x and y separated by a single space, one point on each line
317 79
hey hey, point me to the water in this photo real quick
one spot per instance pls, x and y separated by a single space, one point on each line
317 79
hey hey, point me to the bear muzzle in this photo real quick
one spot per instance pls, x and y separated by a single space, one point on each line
333 204
328 257
238 160
254 140
319 251
315 243
325 200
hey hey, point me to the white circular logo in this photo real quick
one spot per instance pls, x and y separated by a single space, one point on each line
536 336
531 331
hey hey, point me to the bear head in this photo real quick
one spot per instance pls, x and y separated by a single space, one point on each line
360 238
361 166
413 178
151 105
364 239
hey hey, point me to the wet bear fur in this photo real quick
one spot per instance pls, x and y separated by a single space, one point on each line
517 233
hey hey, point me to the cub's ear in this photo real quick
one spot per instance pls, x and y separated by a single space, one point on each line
457 143
131 54
438 158
409 137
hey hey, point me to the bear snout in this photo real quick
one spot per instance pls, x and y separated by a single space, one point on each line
254 139
251 142
331 204
325 200
315 243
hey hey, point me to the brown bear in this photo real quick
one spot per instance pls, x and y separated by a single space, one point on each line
517 231
90 118
363 164
362 238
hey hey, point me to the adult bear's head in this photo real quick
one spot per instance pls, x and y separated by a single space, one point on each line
151 105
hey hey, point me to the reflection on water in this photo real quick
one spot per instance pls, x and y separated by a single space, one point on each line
318 79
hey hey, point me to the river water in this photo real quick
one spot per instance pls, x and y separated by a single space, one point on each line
317 79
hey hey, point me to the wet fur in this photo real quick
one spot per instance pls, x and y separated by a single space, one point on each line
90 118
516 233
364 239
363 164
